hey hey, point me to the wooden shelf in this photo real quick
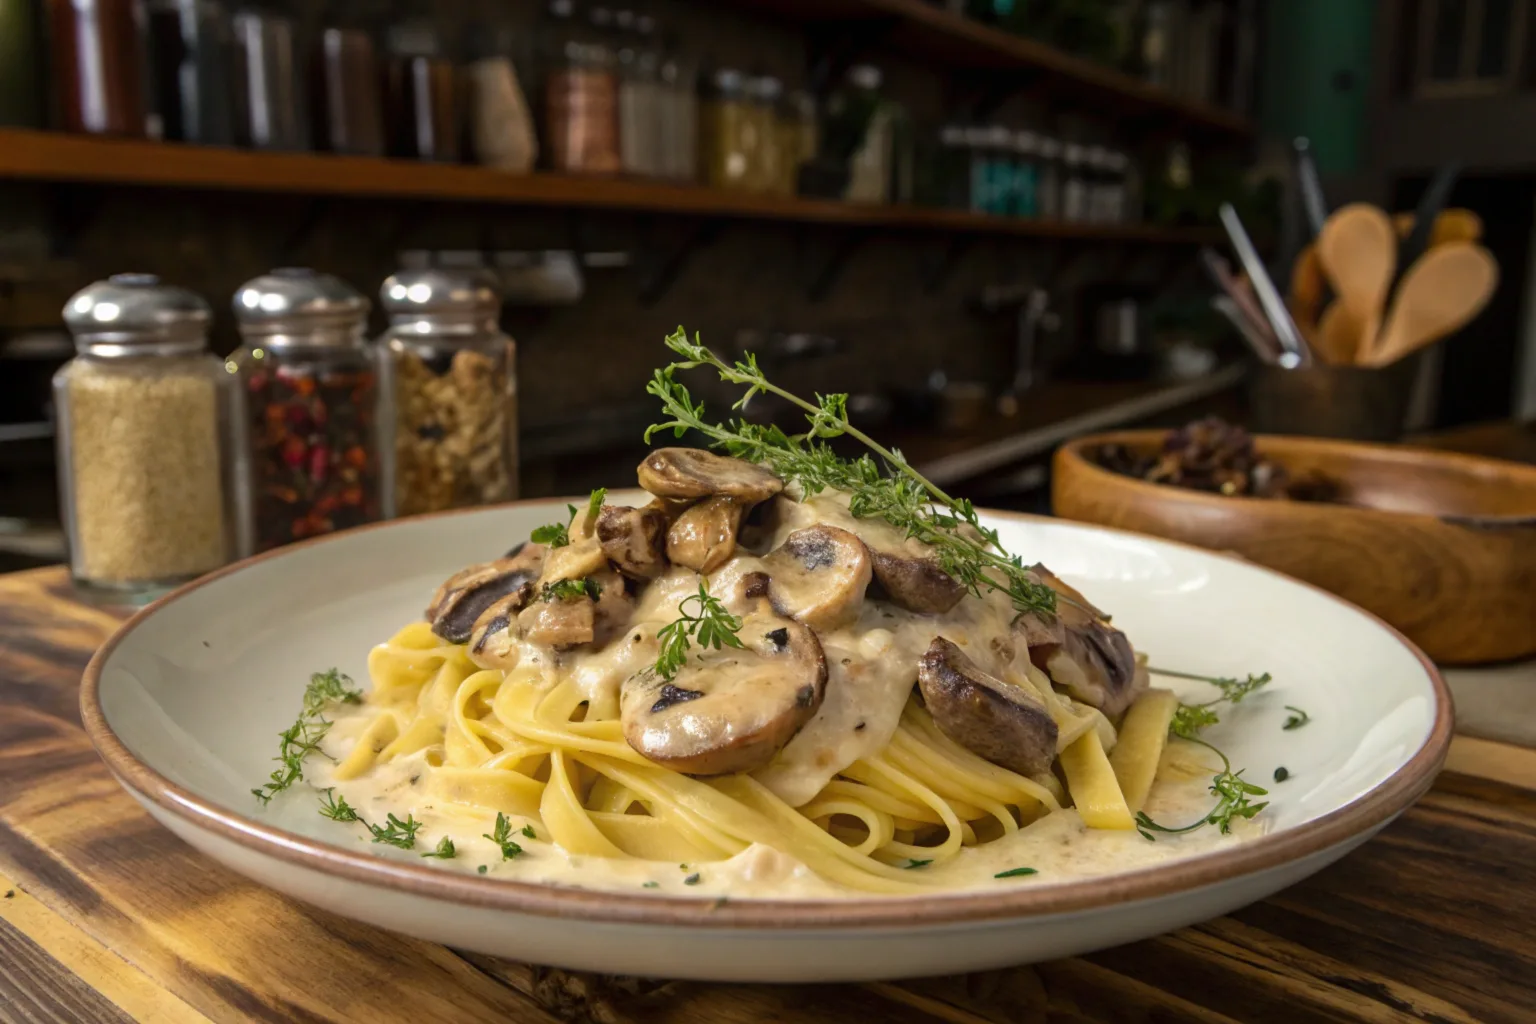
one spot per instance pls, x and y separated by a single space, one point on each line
937 38
50 156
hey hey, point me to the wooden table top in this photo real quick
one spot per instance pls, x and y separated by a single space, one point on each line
107 917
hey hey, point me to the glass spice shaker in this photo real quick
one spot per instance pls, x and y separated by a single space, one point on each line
307 418
143 439
450 382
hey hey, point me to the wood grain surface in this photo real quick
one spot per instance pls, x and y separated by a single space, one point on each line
1440 545
107 917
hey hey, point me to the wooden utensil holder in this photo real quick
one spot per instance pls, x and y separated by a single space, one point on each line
1347 402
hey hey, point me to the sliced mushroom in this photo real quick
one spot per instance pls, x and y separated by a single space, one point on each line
559 622
729 710
634 540
704 536
493 643
691 473
819 575
461 599
907 571
613 608
1080 650
574 561
1006 724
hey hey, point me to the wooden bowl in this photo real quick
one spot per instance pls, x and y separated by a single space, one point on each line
1442 546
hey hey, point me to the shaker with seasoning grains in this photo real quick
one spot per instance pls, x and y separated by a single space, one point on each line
307 416
143 438
450 380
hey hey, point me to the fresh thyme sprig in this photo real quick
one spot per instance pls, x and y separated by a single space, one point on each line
336 807
712 627
1229 787
501 835
303 737
1231 791
899 494
570 590
394 832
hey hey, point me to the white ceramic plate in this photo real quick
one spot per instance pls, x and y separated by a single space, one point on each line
185 701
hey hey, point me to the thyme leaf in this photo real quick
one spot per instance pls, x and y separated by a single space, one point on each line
711 626
394 832
1296 719
444 850
570 590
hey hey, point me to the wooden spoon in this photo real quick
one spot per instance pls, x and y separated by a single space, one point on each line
1341 336
1453 225
1307 287
1446 287
1358 252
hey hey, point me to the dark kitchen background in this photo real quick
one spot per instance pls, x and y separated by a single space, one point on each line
981 218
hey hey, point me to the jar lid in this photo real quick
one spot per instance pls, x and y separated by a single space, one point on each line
439 291
1049 148
766 89
999 136
1026 142
728 83
1072 153
865 76
136 309
297 301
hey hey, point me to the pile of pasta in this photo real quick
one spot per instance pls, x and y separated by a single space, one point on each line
525 742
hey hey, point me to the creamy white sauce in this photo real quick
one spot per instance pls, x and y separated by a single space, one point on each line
872 665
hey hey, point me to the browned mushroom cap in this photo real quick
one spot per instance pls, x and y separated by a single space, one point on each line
729 710
691 473
819 575
704 536
907 571
634 540
1080 650
1006 724
577 560
461 598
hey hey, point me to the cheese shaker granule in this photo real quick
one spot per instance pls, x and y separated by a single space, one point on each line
142 439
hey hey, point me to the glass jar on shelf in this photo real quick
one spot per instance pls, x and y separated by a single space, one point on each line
581 95
307 417
1074 183
727 139
99 65
269 106
1048 180
640 95
677 116
1024 200
422 109
450 385
143 439
348 112
766 173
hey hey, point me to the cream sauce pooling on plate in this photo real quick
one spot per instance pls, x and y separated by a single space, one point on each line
1059 847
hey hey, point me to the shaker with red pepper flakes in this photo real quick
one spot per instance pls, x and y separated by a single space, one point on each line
309 415
451 388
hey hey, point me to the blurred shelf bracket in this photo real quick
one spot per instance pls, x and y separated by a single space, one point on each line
72 208
661 264
824 260
936 262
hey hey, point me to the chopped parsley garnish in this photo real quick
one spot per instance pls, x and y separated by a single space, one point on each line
594 506
303 737
529 832
482 869
1016 873
712 626
1296 719
1282 773
556 535
914 863
570 590
502 837
651 885
692 879
444 850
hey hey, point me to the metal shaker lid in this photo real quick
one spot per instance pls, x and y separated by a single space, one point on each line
440 292
136 311
301 305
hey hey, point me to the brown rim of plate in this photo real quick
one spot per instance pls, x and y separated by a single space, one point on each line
1361 815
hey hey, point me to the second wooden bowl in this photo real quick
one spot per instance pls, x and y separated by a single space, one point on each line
1442 546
